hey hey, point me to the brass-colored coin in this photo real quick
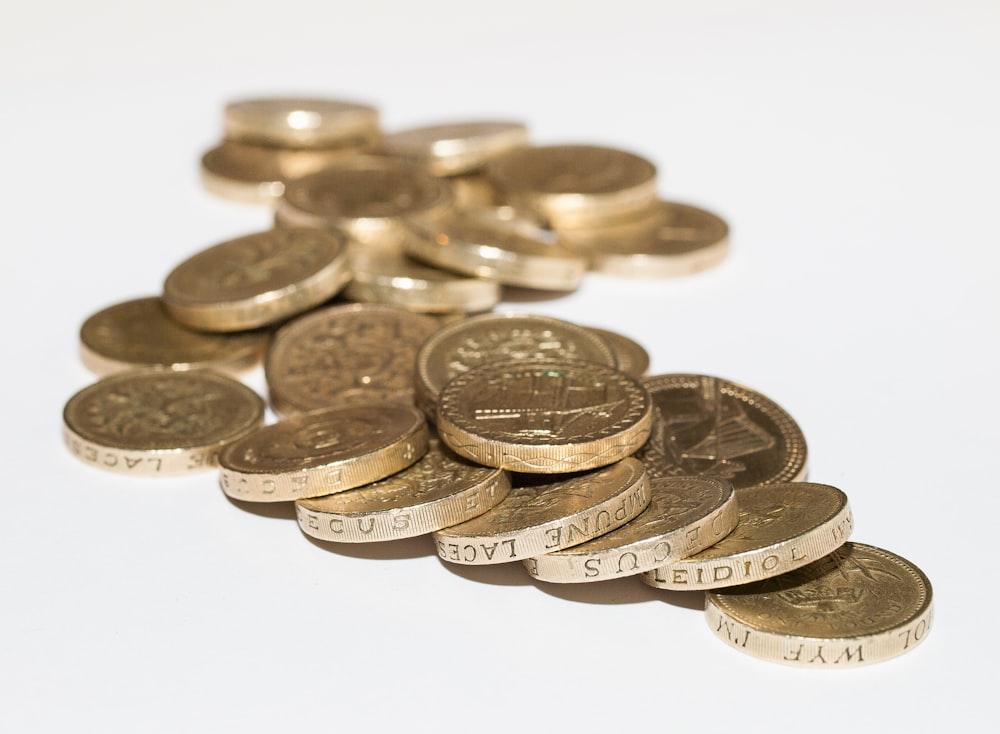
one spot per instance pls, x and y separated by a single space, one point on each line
456 148
141 334
781 527
486 246
323 452
631 357
538 517
679 240
459 347
858 605
685 515
394 278
345 354
255 174
576 185
544 416
472 190
300 123
159 423
369 198
709 426
440 490
259 279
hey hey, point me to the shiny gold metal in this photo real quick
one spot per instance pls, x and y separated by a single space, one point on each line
347 353
572 186
291 122
323 452
709 426
781 527
440 490
472 190
141 334
685 515
159 423
631 357
544 416
456 148
256 280
856 606
459 347
538 517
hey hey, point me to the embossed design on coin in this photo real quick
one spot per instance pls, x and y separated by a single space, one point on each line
631 357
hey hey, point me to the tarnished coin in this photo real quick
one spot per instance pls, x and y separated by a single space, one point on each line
544 416
440 490
259 279
159 423
538 517
576 185
369 198
455 148
709 426
781 527
858 605
141 334
631 357
291 122
322 452
348 353
685 515
459 347
394 278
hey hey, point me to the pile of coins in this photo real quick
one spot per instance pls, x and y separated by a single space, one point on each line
408 407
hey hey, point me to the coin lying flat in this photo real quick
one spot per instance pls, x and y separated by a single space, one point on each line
685 515
781 527
438 491
323 452
544 416
159 423
141 334
858 605
295 122
256 280
709 426
456 148
630 356
537 518
355 352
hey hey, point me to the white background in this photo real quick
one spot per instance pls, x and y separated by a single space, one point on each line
852 146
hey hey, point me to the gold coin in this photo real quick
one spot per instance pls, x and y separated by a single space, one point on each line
258 279
472 190
521 255
440 490
369 198
685 515
141 334
630 356
159 423
709 426
576 185
538 517
679 240
345 353
290 122
459 347
858 605
456 148
395 279
781 527
544 416
322 452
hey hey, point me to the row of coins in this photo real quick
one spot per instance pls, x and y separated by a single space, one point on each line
551 447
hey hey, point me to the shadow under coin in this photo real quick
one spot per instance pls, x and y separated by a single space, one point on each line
516 294
279 510
498 574
687 599
611 591
386 550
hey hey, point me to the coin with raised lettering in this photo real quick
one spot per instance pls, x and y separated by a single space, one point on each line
858 605
159 423
685 515
440 490
542 516
781 527
298 122
345 353
256 280
141 334
323 452
544 416
631 357
705 425
455 148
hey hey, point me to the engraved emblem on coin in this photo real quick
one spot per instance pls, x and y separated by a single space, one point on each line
365 193
519 344
534 503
